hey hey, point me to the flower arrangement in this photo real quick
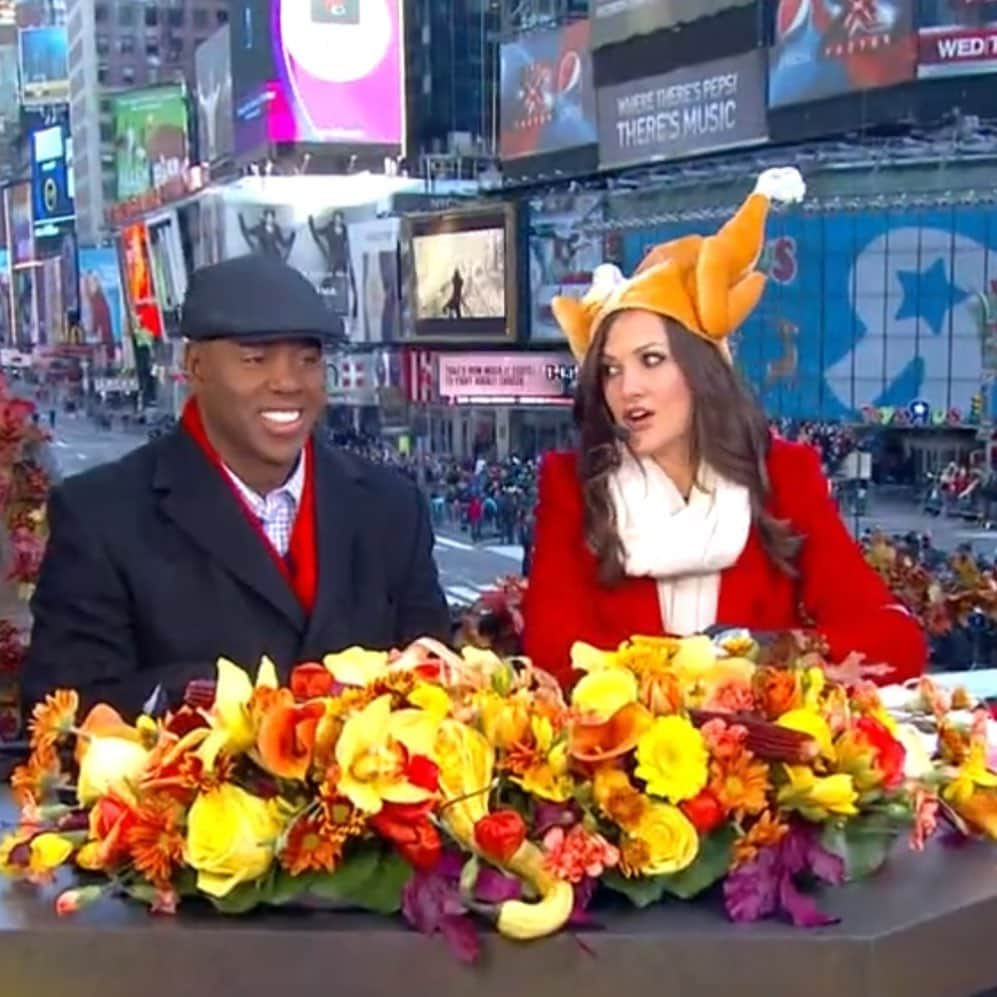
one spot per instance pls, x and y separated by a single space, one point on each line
942 601
24 488
453 787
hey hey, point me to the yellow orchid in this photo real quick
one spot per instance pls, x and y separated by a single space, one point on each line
805 721
816 797
603 693
431 698
586 658
233 731
547 777
47 852
814 682
694 659
356 666
374 751
970 776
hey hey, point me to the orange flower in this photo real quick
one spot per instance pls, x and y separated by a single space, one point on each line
618 798
635 856
102 721
39 776
661 693
155 839
603 740
54 718
287 736
740 783
777 691
313 845
766 831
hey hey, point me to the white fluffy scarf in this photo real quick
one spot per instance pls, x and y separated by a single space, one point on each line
684 545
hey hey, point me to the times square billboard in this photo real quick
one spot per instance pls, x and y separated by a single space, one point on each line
313 72
956 38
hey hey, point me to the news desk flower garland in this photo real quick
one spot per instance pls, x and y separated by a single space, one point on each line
458 787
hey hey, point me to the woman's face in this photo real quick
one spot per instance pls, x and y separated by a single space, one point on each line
644 388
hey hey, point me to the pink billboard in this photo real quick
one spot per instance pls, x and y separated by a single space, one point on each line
546 377
318 71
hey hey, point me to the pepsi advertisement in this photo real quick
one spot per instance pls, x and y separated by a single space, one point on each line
827 48
314 71
547 96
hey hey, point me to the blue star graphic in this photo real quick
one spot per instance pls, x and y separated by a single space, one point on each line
928 294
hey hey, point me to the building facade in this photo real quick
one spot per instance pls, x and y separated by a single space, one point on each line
117 45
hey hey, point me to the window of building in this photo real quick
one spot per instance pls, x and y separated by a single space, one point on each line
100 13
127 74
151 17
152 49
126 16
175 51
221 15
103 44
103 75
201 19
106 131
126 44
174 17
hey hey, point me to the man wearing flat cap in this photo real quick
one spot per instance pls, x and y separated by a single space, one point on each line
238 534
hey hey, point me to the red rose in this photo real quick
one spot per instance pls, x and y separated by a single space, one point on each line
310 681
704 811
500 834
890 753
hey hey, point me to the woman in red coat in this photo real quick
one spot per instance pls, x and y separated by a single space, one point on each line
680 510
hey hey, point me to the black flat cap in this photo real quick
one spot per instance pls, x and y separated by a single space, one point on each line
257 299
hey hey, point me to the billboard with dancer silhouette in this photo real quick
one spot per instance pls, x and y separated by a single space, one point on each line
461 273
213 69
352 263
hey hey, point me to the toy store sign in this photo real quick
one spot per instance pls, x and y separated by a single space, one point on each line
516 376
692 110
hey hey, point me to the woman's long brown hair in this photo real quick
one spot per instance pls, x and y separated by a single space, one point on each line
730 433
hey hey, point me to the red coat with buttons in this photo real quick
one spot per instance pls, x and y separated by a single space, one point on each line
834 592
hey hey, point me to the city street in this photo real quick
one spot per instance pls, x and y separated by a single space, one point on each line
467 569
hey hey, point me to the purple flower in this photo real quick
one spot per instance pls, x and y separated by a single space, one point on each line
580 916
550 815
431 903
768 884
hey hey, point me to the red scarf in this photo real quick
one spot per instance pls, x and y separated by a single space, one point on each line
300 568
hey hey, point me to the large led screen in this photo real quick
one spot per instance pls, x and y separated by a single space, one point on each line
311 71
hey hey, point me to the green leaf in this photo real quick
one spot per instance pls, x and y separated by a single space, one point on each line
354 872
242 899
641 891
140 890
383 893
710 866
283 888
862 845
